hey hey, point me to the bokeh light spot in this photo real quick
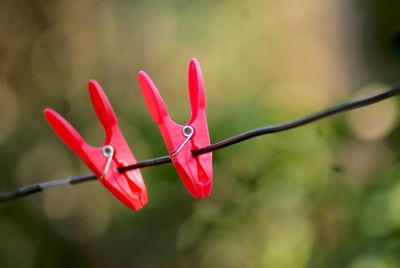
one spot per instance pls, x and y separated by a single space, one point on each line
59 203
43 161
376 121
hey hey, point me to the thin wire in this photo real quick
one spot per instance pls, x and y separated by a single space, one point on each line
31 189
28 190
147 163
299 122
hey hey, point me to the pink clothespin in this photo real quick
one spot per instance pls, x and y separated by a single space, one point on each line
128 187
195 172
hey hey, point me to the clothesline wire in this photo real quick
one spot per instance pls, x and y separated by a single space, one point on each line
31 189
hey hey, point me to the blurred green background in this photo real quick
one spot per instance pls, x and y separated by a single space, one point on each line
323 195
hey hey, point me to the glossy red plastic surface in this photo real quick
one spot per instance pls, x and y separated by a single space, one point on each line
128 187
195 172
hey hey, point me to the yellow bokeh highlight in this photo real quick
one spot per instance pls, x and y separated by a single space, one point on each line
376 121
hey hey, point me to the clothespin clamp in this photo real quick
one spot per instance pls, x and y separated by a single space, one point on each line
128 187
195 172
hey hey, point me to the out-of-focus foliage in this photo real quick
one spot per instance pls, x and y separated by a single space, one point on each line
324 195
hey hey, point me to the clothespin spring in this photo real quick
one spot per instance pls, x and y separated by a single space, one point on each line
188 132
108 151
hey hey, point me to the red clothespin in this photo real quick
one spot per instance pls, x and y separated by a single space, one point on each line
195 172
128 187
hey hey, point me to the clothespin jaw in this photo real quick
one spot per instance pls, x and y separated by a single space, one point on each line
195 172
129 186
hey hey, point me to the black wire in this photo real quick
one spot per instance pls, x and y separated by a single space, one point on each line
147 163
35 188
299 122
31 189
28 190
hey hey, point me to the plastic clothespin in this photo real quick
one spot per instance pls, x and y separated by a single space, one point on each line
129 186
195 172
